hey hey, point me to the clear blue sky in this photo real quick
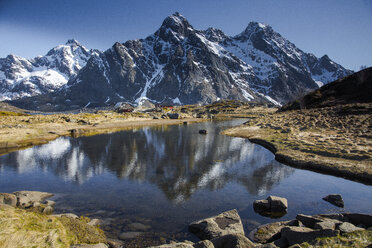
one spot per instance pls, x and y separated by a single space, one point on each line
340 28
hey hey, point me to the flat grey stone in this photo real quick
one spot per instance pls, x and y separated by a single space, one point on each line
308 221
298 235
232 241
347 227
325 225
225 223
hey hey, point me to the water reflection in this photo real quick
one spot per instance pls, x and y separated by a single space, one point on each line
175 158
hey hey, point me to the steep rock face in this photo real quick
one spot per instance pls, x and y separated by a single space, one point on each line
181 65
177 64
20 77
285 72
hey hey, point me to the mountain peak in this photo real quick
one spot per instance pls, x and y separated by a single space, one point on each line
215 35
176 22
72 42
255 28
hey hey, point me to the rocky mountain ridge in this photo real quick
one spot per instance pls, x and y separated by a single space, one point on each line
179 64
20 77
353 89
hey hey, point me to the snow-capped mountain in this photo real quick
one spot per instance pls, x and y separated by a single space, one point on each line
182 65
20 77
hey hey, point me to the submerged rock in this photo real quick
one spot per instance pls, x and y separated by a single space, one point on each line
129 235
335 200
225 223
138 227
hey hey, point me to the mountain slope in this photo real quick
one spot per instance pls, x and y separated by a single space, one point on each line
355 88
181 65
20 77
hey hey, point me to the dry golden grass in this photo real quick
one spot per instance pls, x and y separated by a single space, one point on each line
24 229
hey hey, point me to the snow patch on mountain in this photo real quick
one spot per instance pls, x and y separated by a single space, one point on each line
20 77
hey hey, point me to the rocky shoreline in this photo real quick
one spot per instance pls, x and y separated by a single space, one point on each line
331 140
27 216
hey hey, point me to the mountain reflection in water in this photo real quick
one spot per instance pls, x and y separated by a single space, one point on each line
176 159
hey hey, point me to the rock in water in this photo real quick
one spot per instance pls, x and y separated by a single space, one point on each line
335 200
273 206
277 204
225 223
203 131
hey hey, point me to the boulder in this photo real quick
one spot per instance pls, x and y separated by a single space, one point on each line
225 223
273 206
277 204
48 210
325 225
172 115
347 227
261 205
268 232
339 217
335 200
357 219
308 221
232 241
50 203
297 235
204 244
8 199
27 198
